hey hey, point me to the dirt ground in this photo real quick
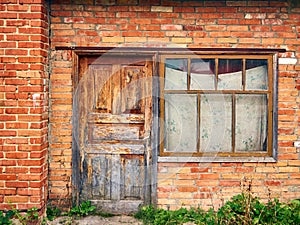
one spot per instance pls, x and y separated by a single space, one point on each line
96 220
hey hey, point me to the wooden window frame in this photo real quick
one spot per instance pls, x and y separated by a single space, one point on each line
271 92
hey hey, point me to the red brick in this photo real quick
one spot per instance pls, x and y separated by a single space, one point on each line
199 170
8 44
32 147
7 133
288 156
7 30
159 189
8 15
205 183
16 184
187 189
7 73
36 184
273 183
244 169
29 162
16 110
8 191
17 7
37 170
8 148
17 67
74 20
29 177
37 155
16 170
37 8
188 176
230 183
203 196
15 52
16 95
209 176
28 192
7 118
16 155
33 88
8 177
31 59
16 199
138 21
17 37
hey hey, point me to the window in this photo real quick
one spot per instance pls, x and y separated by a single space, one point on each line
217 105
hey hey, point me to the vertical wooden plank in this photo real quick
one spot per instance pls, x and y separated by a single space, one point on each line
151 170
217 73
75 145
189 74
96 179
116 89
233 121
83 66
147 98
244 74
84 100
90 89
272 105
198 121
144 79
115 178
147 109
125 78
162 103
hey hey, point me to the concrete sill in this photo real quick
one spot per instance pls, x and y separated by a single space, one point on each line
214 159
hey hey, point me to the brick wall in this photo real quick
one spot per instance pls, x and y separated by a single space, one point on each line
23 103
232 24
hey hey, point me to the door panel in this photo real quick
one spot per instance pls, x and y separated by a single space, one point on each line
133 89
132 177
103 84
113 103
101 177
115 132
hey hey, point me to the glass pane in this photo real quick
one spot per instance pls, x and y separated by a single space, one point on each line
215 123
257 74
251 122
202 74
180 123
230 74
176 74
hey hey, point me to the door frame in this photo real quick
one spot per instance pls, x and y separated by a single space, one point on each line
154 139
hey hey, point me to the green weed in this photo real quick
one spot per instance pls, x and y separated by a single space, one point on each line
84 209
5 218
242 209
52 213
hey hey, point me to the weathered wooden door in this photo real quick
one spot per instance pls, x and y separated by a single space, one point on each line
112 122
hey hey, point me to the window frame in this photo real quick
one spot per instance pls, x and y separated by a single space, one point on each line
271 92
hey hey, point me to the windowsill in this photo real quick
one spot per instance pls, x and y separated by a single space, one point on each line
214 159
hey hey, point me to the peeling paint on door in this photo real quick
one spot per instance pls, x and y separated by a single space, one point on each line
113 111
